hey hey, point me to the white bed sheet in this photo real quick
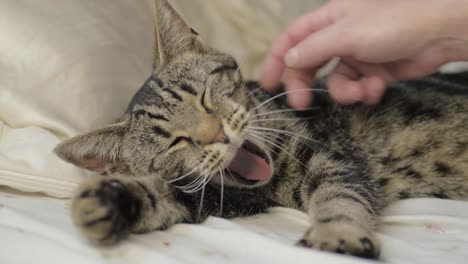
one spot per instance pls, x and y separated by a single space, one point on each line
39 230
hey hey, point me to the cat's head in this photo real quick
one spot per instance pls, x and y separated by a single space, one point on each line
187 121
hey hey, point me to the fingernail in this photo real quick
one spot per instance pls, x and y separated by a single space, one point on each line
292 57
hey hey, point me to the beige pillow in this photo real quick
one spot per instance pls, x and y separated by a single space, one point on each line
66 67
69 66
243 28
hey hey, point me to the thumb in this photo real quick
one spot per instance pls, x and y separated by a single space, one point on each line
316 49
296 31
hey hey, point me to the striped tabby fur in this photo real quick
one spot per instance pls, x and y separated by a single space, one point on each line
340 164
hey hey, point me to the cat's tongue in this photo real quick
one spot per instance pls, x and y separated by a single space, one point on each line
249 166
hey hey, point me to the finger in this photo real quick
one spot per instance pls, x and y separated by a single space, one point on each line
419 66
271 73
317 49
343 86
370 69
346 68
374 89
299 99
297 84
372 77
274 64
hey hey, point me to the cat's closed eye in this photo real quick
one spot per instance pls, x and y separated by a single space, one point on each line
204 104
180 140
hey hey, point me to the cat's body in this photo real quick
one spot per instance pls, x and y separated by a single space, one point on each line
195 118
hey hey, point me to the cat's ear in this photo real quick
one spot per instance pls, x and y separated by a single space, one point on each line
172 34
98 151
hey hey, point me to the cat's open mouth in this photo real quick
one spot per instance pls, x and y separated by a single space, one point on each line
250 165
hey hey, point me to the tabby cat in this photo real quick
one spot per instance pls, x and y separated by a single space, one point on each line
196 140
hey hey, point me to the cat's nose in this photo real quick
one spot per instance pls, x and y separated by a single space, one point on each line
221 137
209 131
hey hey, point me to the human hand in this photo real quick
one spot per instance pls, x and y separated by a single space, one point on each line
378 42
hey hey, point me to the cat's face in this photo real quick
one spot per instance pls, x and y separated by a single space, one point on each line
188 122
191 116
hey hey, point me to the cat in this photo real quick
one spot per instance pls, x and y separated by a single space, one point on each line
197 140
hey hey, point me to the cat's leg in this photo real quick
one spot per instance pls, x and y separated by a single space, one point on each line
343 203
105 209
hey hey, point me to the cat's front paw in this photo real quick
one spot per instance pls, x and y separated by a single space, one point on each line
105 210
342 238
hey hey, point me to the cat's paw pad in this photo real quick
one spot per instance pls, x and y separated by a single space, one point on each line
105 210
342 238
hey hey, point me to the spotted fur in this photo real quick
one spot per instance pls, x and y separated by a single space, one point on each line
342 165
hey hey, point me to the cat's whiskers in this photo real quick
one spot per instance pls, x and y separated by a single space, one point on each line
221 175
266 140
282 119
237 70
284 111
200 207
230 174
183 176
255 140
285 132
248 98
270 134
198 185
191 185
194 184
286 93
262 137
204 182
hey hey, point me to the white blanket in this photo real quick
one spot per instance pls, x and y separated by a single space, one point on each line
39 230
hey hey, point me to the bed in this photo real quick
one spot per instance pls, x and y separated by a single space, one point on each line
68 66
38 230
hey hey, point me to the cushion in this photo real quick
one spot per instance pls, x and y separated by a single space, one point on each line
68 66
